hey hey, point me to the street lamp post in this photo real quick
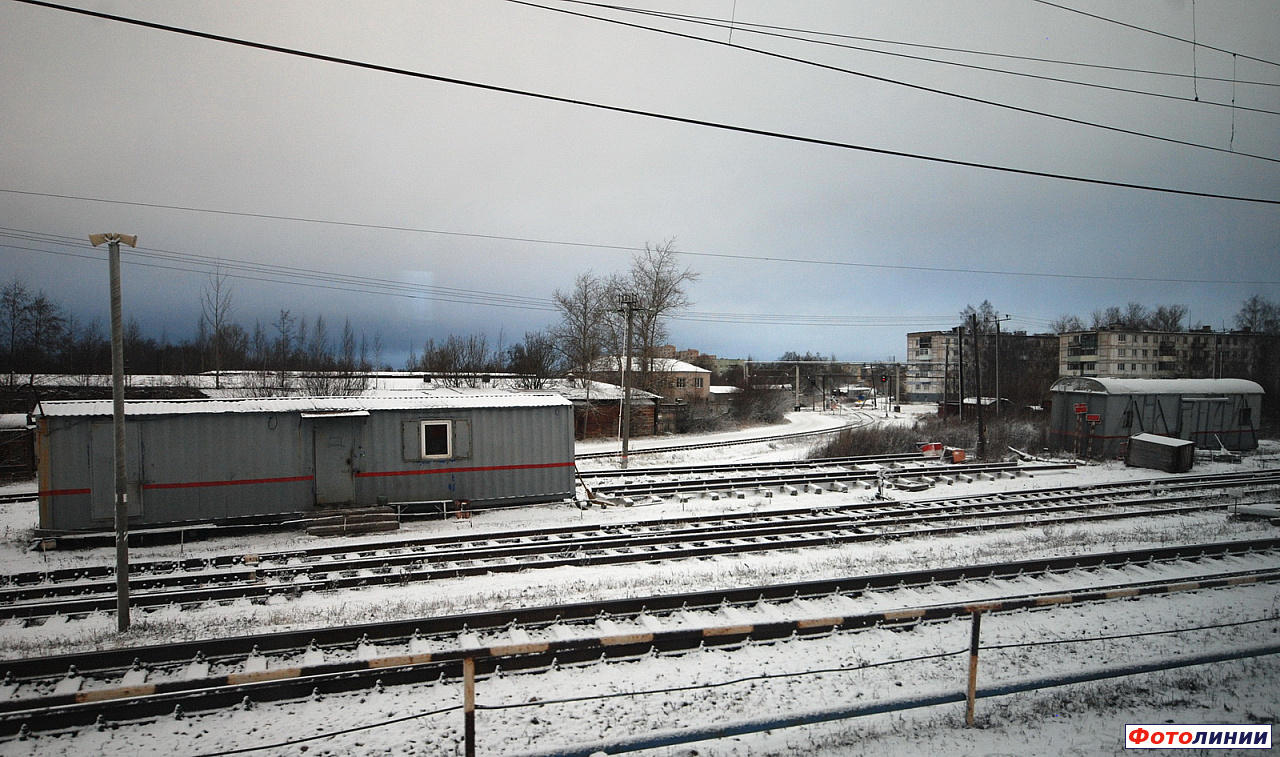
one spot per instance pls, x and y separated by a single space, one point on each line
117 415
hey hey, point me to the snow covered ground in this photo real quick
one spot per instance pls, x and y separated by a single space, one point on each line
1084 719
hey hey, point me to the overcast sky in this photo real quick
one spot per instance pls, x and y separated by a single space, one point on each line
208 149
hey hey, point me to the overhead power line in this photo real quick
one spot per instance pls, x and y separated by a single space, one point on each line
741 25
306 277
794 35
631 248
1145 30
900 83
636 111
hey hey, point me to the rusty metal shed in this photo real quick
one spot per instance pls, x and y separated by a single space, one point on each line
192 461
1209 412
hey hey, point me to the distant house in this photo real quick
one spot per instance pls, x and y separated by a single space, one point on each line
673 380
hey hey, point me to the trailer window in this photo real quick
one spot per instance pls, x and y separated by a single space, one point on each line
1246 416
437 439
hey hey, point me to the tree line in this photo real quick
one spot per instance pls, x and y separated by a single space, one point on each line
1256 314
293 352
38 335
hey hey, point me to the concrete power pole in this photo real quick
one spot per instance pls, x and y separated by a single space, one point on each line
117 412
977 382
628 302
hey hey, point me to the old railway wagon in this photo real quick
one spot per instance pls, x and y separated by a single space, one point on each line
1096 416
217 460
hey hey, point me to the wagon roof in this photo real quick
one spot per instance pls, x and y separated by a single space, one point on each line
444 399
1156 386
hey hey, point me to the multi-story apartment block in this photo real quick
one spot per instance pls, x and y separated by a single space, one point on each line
931 366
1157 354
1017 366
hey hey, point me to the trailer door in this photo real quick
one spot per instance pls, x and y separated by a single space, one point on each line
102 468
336 440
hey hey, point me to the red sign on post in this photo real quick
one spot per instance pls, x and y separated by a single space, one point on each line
1093 418
1081 408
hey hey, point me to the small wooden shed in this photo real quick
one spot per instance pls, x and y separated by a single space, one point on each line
1160 453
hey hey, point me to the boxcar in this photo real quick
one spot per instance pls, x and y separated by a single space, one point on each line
214 460
1096 416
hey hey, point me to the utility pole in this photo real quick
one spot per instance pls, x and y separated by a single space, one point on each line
977 382
117 415
628 302
960 366
998 319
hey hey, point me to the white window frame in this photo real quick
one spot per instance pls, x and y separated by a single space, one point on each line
422 439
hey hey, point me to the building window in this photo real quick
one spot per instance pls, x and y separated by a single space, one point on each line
1127 422
697 382
925 342
680 383
1122 337
1246 416
436 439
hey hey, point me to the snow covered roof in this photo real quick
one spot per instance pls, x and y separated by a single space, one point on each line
1164 441
660 365
1156 386
440 399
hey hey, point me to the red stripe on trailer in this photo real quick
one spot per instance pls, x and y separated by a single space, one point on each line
237 482
478 469
63 492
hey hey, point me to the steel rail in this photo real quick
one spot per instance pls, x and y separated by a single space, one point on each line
643 541
519 651
673 470
701 537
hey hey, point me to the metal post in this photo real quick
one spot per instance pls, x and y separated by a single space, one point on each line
977 382
629 303
117 413
469 705
973 667
960 366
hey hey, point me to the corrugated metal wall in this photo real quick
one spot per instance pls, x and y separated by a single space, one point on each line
209 467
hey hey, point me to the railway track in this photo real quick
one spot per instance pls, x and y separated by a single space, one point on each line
69 691
838 476
76 592
632 452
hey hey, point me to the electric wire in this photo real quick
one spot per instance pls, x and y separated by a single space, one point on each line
1144 29
364 285
718 24
740 25
651 114
690 253
901 83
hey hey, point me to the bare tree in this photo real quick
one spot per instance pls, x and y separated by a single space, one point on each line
15 315
1259 315
1168 317
215 317
534 360
581 333
1064 324
658 283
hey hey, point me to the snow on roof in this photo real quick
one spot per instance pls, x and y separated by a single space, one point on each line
1156 386
440 399
718 389
660 365
1162 440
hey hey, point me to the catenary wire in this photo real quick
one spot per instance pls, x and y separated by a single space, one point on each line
900 83
747 25
1153 31
719 24
461 297
643 113
626 248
